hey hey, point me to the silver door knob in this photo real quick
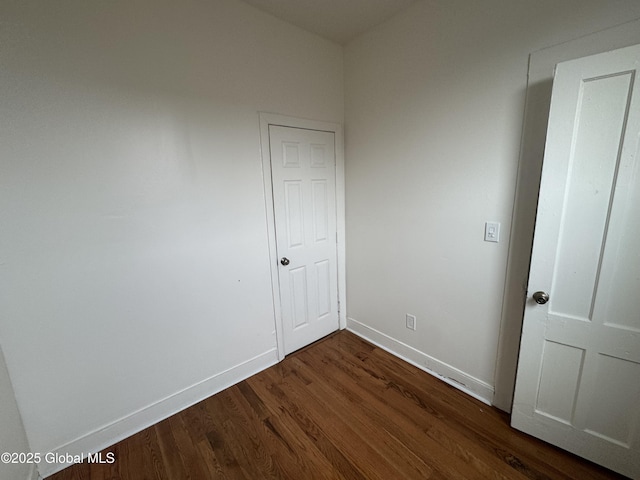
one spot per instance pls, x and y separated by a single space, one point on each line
541 298
284 261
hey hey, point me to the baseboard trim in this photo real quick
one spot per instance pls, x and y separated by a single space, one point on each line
456 378
112 433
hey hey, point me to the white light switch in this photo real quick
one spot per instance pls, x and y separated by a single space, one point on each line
492 232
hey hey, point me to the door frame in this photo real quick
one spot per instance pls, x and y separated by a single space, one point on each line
267 119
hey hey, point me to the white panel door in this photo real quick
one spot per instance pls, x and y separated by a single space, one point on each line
303 169
578 381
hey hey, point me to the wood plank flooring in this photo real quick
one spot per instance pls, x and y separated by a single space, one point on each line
338 409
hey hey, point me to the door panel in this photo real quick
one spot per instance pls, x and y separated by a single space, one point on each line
304 194
294 211
616 396
320 210
323 279
599 128
578 382
559 380
299 295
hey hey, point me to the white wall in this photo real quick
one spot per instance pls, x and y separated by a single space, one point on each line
434 113
13 438
134 262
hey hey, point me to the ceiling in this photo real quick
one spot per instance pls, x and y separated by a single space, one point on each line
336 20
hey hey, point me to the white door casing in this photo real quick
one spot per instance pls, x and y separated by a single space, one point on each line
303 169
578 381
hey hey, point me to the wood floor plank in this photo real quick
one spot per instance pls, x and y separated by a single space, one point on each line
280 434
210 461
186 442
135 455
340 434
308 427
400 447
239 450
169 452
426 422
341 408
296 409
409 431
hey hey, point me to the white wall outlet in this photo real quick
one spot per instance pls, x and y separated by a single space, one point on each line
411 321
492 232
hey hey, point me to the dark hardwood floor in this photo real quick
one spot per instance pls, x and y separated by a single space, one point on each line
338 409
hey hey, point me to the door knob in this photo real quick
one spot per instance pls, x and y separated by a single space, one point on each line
541 298
284 261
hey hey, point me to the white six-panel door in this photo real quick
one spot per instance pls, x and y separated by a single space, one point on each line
303 169
578 381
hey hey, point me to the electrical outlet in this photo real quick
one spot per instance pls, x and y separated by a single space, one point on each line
411 321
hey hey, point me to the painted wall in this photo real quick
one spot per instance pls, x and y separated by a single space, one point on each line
13 438
134 262
434 114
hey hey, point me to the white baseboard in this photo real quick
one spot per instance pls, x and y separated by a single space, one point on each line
135 422
445 372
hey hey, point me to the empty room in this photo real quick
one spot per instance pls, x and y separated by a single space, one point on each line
319 239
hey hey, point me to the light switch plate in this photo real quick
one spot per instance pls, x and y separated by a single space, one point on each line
492 232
